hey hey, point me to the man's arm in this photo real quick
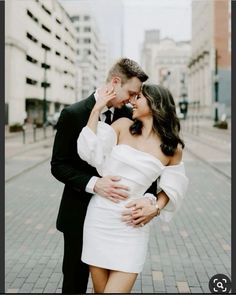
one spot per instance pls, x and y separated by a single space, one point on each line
63 166
65 169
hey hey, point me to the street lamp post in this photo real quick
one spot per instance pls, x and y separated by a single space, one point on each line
45 89
216 85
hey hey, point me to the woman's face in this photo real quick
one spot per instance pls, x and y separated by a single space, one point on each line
140 107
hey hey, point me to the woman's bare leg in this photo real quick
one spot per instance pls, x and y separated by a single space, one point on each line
99 278
120 282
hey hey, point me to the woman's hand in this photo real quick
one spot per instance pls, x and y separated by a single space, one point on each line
104 96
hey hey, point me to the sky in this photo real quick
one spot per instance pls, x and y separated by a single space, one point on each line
122 23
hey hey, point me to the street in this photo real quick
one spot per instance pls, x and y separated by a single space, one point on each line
183 254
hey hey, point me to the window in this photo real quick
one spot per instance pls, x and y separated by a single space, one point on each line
58 21
66 29
46 29
87 29
32 16
45 66
29 36
66 43
59 38
46 10
87 40
31 81
87 52
78 40
45 84
78 51
86 17
77 29
46 47
31 59
58 53
75 18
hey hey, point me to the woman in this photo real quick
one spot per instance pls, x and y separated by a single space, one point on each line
139 152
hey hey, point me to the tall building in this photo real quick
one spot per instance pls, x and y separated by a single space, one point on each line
89 49
91 53
40 51
165 61
211 51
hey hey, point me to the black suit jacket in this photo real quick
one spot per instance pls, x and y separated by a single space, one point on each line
67 167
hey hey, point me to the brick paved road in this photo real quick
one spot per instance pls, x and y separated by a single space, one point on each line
182 255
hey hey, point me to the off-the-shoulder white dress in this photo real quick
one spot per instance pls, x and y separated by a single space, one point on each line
108 242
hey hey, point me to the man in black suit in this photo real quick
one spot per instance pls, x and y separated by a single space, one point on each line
82 180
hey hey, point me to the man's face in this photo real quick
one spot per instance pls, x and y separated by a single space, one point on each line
125 92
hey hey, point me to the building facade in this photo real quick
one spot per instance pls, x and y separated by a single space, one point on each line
91 58
165 61
40 60
210 62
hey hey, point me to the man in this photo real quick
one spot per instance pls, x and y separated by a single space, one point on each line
82 180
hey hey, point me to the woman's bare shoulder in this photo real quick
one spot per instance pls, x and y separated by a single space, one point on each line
177 157
121 123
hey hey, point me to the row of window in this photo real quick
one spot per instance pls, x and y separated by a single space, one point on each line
66 43
31 81
44 46
44 65
85 29
33 17
77 18
84 40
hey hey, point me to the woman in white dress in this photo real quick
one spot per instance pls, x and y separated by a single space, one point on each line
139 152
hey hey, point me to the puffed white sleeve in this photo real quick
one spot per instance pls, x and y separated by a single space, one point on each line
94 148
174 183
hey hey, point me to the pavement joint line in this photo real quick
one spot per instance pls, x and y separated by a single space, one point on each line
204 141
209 164
34 147
27 169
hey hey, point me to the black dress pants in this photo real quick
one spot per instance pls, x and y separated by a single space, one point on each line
75 272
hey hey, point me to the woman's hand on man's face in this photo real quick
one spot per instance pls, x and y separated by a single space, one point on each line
104 96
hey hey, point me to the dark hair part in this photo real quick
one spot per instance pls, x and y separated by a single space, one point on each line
126 69
165 121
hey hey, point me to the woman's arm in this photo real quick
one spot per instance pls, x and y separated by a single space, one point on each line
103 98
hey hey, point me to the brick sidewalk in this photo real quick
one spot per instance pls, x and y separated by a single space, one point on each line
182 255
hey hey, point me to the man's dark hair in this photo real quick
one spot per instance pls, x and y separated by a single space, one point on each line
126 69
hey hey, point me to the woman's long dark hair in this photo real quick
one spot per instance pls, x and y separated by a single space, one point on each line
165 121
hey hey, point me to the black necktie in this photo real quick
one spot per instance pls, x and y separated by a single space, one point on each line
108 117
